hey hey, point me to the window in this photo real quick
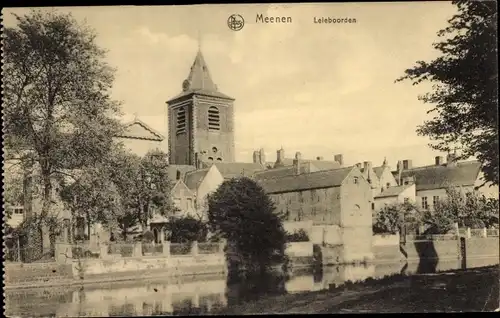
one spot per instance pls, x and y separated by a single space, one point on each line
177 203
213 119
214 149
181 121
424 203
210 158
406 200
387 185
435 200
373 206
219 159
356 180
18 210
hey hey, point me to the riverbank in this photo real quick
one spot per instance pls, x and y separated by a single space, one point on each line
451 291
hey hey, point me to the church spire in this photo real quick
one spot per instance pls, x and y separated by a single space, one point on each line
199 78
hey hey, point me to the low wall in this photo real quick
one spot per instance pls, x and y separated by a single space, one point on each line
385 240
19 273
386 248
90 269
449 249
482 247
299 249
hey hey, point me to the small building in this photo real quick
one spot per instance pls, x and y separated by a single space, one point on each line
398 194
431 182
338 203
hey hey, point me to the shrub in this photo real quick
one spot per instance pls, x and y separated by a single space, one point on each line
148 237
187 229
297 236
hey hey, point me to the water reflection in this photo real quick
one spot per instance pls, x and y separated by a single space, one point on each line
195 296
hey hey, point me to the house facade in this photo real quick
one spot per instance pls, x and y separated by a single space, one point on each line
431 182
338 203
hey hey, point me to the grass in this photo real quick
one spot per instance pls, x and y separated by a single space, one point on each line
450 291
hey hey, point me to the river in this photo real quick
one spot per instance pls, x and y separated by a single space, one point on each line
196 295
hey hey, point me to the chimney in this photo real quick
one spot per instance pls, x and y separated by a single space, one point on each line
358 165
319 158
296 162
438 160
280 157
367 166
340 159
407 164
400 171
178 175
262 156
256 157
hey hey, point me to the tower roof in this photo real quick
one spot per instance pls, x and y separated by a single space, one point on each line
199 80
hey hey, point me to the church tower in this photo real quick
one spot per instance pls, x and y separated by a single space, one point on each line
200 120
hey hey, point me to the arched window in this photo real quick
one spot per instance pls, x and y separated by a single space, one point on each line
213 119
210 158
219 159
181 121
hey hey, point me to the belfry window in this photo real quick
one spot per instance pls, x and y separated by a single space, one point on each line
213 119
181 121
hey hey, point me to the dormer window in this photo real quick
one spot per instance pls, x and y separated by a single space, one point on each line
213 119
356 181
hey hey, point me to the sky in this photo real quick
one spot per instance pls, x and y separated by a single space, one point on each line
321 89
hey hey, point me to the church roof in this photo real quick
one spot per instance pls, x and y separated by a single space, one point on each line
138 129
236 169
282 171
308 181
183 169
192 179
199 80
441 176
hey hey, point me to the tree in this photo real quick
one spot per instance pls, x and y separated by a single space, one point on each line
468 209
392 217
242 213
144 186
58 113
465 91
187 229
94 197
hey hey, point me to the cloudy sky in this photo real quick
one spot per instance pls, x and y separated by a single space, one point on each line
320 89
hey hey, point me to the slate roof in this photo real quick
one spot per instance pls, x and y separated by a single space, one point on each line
393 191
280 172
127 134
193 178
379 171
437 177
320 164
172 171
236 169
314 180
200 81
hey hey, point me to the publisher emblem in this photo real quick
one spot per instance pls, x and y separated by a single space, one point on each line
235 22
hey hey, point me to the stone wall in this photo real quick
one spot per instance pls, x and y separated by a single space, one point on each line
386 248
299 249
34 273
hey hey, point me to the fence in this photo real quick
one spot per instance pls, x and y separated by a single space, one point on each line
180 248
152 249
209 248
122 249
462 232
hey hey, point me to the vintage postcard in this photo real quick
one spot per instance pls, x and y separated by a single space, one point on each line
250 159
